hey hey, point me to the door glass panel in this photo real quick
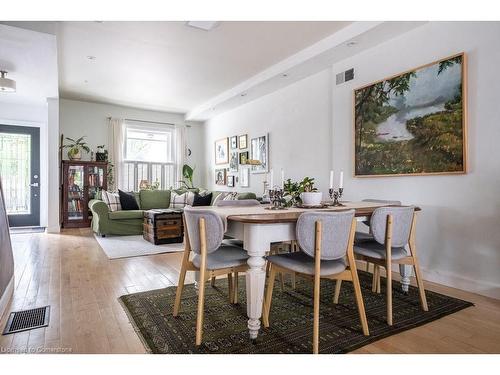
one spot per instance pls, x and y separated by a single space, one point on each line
15 169
95 177
75 192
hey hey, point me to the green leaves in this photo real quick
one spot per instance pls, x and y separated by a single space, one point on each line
76 145
187 174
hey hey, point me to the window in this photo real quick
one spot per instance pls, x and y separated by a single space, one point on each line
149 155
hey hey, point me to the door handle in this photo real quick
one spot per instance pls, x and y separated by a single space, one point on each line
34 184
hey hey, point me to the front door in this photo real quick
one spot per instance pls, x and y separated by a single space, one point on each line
20 174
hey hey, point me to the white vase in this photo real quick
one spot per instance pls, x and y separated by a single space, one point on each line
311 198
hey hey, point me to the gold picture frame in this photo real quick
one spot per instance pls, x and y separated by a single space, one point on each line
451 109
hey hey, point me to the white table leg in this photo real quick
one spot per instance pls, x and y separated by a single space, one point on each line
405 271
255 281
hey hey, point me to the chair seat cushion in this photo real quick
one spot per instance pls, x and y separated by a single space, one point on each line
363 237
303 263
224 257
375 250
232 242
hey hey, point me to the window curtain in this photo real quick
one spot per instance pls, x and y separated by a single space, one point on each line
180 151
116 142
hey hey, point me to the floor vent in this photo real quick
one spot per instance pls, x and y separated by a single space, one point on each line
27 319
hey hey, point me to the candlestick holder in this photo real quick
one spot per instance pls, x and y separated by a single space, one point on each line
335 195
276 196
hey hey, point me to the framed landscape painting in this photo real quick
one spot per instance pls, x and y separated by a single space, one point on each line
222 151
413 123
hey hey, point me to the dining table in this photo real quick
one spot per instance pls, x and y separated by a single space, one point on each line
259 227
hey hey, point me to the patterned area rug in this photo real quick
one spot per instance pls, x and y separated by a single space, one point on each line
291 318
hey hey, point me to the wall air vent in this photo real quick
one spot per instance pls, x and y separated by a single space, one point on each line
344 76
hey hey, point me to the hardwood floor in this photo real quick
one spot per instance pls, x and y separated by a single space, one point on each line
71 273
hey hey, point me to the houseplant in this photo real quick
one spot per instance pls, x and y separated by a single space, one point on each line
187 174
75 148
309 195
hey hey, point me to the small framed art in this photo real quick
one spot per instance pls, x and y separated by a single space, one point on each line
243 141
222 151
234 142
230 181
243 157
220 176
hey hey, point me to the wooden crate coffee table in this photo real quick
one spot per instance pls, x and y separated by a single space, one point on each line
163 226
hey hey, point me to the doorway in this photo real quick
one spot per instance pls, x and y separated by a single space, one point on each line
20 174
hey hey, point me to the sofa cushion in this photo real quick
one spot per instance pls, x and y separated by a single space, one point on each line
247 195
126 214
128 201
202 200
154 199
181 200
112 200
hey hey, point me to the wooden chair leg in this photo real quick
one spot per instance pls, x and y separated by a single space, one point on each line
317 286
374 278
212 282
230 286
282 281
292 280
359 302
420 283
235 288
178 293
201 305
378 281
338 284
388 269
268 298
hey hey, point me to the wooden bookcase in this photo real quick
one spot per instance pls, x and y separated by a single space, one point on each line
81 181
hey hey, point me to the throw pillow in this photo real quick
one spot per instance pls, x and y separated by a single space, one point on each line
202 200
231 196
219 197
181 200
127 200
112 200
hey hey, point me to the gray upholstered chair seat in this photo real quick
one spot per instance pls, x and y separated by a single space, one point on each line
361 237
303 263
232 242
375 250
224 257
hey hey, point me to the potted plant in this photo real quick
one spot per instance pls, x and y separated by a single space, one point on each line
292 193
187 174
309 195
75 148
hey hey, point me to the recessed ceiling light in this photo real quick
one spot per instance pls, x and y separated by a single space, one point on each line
284 75
243 94
203 25
86 81
351 43
90 57
213 108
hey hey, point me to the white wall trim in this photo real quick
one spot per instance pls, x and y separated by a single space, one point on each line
452 280
7 295
34 124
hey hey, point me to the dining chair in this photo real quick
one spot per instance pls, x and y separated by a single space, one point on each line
326 252
394 230
204 235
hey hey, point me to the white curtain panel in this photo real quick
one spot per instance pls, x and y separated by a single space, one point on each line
180 151
116 142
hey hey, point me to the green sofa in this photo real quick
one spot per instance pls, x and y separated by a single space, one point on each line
129 222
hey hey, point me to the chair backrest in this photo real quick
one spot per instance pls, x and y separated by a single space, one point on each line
213 224
336 228
402 218
389 202
238 203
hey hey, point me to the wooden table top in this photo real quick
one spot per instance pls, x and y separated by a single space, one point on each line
285 216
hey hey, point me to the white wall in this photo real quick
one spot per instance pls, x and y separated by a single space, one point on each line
458 235
298 121
79 118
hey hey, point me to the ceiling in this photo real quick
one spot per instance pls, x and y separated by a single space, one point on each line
31 60
169 66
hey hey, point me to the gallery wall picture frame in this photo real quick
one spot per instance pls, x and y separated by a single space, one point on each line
413 123
230 181
244 177
234 142
222 151
220 176
259 154
233 162
243 157
243 141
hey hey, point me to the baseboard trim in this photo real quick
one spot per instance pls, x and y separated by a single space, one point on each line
7 295
481 287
